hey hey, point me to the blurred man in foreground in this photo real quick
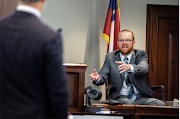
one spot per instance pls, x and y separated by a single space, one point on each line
33 82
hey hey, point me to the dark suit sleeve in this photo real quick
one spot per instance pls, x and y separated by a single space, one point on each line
141 66
56 80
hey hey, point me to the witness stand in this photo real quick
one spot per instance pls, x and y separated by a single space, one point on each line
145 111
76 82
138 111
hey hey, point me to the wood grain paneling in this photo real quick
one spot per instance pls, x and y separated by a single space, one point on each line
73 88
162 46
145 111
76 84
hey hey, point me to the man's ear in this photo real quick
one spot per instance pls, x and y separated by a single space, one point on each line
133 43
43 1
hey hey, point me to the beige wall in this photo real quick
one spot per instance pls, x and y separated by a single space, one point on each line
82 23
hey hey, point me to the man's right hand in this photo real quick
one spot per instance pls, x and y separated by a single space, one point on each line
94 76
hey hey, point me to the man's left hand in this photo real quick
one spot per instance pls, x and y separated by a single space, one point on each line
123 66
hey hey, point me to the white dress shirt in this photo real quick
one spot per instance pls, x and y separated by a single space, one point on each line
29 9
124 90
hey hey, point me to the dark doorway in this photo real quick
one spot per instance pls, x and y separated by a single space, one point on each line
162 46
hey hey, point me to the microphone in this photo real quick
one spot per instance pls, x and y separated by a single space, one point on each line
174 63
110 101
112 90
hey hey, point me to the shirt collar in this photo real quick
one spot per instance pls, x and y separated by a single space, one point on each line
29 9
129 56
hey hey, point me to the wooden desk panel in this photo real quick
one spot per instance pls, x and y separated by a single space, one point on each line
76 84
145 111
157 110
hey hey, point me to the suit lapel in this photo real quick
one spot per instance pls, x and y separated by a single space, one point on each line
132 58
118 58
132 61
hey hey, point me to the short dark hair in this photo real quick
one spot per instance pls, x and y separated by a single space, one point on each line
29 1
128 31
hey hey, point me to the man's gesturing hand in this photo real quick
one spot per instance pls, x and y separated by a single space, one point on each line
94 76
123 66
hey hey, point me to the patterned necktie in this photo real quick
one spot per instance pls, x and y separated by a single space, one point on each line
131 92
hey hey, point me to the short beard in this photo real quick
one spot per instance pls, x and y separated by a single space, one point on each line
127 51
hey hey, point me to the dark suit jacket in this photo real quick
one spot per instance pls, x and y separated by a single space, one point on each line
110 72
33 82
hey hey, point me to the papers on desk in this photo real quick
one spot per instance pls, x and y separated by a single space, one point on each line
174 103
